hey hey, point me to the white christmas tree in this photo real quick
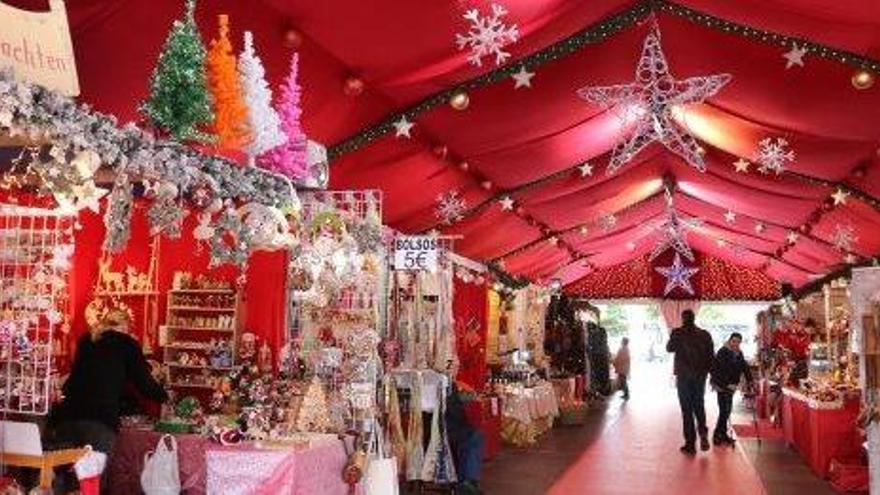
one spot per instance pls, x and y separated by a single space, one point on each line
264 122
313 414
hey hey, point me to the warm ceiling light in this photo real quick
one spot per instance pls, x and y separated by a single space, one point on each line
459 101
862 79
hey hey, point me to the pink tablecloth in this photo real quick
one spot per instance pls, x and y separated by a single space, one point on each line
244 470
206 467
127 461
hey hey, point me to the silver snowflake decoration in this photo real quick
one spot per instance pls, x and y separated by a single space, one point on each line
677 275
773 155
608 221
844 237
648 104
450 207
488 35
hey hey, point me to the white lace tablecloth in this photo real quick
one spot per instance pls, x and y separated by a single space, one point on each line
527 404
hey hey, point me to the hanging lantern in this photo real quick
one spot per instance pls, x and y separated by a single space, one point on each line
862 79
459 100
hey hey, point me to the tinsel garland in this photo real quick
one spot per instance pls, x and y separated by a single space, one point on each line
598 32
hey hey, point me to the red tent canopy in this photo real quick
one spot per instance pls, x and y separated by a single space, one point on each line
527 143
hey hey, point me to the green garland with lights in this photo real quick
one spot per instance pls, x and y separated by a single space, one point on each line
596 33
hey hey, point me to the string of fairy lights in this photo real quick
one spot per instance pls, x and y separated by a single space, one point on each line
593 34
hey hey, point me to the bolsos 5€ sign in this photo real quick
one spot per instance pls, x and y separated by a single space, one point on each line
37 46
416 253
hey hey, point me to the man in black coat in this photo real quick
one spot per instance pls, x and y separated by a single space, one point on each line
727 370
694 352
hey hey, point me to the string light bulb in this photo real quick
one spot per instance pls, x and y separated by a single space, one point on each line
459 100
862 79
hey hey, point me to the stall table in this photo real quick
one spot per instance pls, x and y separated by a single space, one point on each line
820 432
206 467
528 413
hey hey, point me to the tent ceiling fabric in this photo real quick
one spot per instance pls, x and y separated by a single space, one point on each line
527 143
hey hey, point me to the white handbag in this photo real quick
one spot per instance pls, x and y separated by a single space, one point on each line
381 475
161 475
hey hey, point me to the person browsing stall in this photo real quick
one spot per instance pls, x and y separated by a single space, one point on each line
107 359
728 368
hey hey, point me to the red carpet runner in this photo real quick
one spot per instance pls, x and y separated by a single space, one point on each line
638 454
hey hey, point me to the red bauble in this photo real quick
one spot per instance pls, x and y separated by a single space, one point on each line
293 39
353 86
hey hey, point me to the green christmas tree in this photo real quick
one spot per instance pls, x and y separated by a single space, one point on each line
179 99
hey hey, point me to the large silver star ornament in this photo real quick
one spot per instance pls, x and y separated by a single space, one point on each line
677 275
650 102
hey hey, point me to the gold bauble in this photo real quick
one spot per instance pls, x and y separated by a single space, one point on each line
459 101
862 79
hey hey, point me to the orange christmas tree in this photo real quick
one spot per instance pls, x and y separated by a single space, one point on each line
230 112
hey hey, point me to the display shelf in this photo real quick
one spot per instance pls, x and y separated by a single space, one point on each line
202 291
206 309
200 367
190 385
200 329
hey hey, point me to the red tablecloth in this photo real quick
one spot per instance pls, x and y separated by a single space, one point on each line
821 435
480 413
127 461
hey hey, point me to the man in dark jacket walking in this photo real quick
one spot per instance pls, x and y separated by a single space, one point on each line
693 350
727 370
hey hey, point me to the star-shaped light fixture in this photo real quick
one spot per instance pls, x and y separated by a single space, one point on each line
839 197
654 94
402 127
586 169
677 275
795 56
741 166
522 78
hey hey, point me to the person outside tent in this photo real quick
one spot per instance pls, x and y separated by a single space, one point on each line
622 367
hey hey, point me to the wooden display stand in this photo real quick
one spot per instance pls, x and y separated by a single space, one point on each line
195 316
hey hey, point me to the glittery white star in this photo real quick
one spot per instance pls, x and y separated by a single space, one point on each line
844 237
522 78
553 240
760 227
741 166
840 196
506 203
677 275
656 92
586 169
402 127
795 56
729 216
791 237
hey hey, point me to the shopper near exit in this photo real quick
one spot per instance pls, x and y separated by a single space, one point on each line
728 369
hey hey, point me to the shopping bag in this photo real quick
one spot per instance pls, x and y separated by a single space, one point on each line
88 470
381 475
161 475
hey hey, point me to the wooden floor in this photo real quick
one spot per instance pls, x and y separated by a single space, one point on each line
632 448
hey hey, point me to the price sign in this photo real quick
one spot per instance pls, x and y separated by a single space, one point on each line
416 253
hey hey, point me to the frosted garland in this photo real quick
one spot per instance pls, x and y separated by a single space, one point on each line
41 114
649 102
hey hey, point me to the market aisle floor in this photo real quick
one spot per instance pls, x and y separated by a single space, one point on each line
638 453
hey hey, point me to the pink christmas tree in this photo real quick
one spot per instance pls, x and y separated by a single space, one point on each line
289 158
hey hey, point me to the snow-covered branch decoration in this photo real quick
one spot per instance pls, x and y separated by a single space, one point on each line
41 114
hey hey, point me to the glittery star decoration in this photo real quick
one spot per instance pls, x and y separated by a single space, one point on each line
677 275
839 197
586 169
88 196
673 233
850 258
730 216
522 78
760 227
741 166
795 56
506 203
655 92
608 221
791 237
584 230
402 127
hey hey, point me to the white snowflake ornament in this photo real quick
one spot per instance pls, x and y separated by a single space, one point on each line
773 155
450 207
844 237
488 35
608 221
